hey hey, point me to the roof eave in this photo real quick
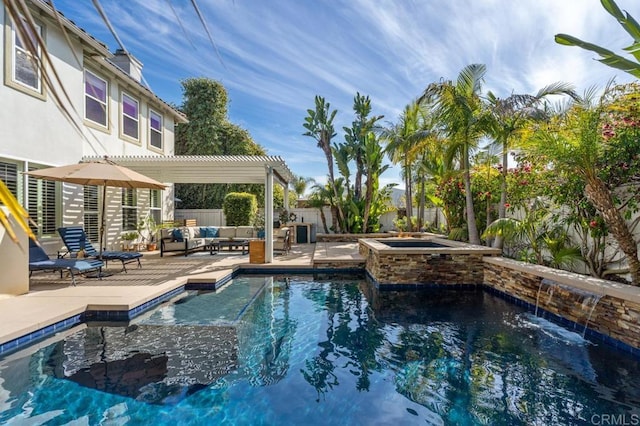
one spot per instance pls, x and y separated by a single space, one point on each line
94 44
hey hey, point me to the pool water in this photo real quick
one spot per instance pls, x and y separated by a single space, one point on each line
296 351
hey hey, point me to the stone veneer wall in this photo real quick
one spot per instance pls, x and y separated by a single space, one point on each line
338 265
617 313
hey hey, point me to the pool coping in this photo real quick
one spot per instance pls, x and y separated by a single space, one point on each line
125 312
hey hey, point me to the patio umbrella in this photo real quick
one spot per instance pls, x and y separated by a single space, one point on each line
104 173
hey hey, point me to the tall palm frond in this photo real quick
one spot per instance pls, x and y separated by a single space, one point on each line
609 58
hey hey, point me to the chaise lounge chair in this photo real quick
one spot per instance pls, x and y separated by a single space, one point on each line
40 261
74 239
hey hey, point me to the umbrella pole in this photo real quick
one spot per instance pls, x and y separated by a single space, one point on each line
102 218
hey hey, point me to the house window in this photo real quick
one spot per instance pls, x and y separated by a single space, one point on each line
155 129
41 205
129 116
91 214
155 209
9 175
25 65
129 209
95 99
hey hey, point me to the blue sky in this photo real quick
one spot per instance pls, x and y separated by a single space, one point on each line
275 56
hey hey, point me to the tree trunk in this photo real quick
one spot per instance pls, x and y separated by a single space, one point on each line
357 186
367 205
472 228
324 220
489 241
601 198
408 194
421 206
338 216
502 208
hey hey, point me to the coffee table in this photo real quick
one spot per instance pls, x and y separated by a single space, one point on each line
232 244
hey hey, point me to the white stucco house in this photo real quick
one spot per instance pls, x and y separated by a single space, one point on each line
117 116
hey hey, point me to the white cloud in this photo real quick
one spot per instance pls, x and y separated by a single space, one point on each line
279 54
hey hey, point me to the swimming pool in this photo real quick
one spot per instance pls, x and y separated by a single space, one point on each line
302 351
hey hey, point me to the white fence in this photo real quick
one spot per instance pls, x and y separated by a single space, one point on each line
215 217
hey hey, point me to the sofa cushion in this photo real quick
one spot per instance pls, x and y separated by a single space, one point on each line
177 235
227 232
244 232
191 232
282 232
208 232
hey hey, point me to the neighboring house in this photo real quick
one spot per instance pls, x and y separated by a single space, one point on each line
116 113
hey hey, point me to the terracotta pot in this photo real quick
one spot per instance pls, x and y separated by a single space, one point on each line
152 246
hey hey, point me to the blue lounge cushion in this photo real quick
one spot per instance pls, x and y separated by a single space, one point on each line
40 261
121 255
176 235
75 238
215 232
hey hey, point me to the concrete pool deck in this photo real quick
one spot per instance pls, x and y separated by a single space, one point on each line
52 299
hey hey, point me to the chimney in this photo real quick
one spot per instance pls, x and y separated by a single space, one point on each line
128 63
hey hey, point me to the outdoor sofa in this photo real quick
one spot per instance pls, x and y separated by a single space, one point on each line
187 239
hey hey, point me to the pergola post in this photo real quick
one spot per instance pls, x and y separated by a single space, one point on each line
268 215
286 196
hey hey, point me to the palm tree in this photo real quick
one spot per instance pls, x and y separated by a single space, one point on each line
438 168
300 184
319 125
537 234
373 168
459 107
484 161
401 138
319 198
356 136
575 143
509 117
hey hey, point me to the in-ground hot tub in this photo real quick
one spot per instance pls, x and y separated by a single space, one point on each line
398 262
412 243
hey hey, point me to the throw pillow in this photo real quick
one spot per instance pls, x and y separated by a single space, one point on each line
215 232
205 233
176 235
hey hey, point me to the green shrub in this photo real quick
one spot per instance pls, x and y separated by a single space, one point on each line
240 208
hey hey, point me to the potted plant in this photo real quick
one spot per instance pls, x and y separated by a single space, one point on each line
129 237
258 225
152 230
